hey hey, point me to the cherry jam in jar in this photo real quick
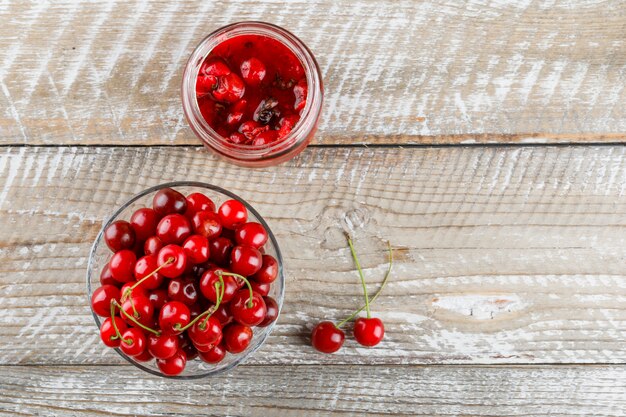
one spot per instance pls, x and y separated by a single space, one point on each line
252 92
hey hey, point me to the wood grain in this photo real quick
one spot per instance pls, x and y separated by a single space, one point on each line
318 391
504 254
108 72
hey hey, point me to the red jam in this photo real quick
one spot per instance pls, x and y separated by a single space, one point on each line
251 89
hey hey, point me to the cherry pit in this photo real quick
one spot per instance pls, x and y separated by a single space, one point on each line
186 279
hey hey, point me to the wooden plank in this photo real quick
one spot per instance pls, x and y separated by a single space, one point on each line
435 71
504 255
318 391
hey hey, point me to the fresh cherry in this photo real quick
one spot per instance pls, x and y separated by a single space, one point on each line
138 306
185 344
327 338
174 315
207 224
220 250
107 331
173 365
243 312
215 355
158 298
144 222
268 272
198 202
176 255
119 235
168 201
196 248
369 331
163 346
205 333
210 278
237 337
101 299
232 214
245 260
184 290
122 265
146 266
222 314
251 234
173 228
106 278
134 342
271 313
152 246
145 356
262 289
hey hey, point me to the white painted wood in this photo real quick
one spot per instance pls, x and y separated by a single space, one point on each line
318 391
105 72
504 255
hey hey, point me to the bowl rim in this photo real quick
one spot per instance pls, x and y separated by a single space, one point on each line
260 219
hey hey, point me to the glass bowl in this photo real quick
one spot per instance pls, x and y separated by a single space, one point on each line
246 155
100 255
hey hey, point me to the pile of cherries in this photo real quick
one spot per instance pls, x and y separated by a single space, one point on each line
251 90
327 337
185 280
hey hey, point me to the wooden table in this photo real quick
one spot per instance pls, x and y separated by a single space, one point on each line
484 139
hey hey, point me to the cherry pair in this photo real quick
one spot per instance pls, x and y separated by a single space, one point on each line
327 337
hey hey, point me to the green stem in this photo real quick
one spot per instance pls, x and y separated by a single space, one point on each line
387 274
206 313
129 291
241 277
118 335
358 267
131 318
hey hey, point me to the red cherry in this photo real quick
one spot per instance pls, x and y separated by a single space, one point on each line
119 235
245 260
286 125
265 138
173 365
145 356
208 333
196 248
369 331
271 313
144 222
107 331
184 290
207 224
144 267
268 272
152 246
101 299
222 314
300 92
185 344
262 289
158 298
106 278
167 201
173 316
173 228
251 234
214 66
215 355
253 71
163 346
208 281
177 267
142 311
122 265
252 129
196 309
134 342
232 214
327 338
128 289
230 88
245 314
237 138
237 337
198 202
220 249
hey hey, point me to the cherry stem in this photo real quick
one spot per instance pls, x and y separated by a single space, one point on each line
129 291
118 335
382 285
131 318
206 313
244 279
358 267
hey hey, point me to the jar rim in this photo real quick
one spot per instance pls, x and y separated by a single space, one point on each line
247 153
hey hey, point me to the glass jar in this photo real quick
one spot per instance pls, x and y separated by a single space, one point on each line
248 155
